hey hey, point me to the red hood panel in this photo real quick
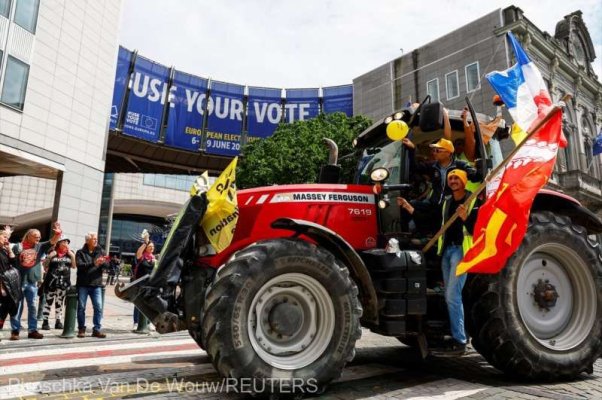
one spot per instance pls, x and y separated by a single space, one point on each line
349 210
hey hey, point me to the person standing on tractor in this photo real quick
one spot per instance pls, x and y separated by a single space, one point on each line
452 246
445 159
442 153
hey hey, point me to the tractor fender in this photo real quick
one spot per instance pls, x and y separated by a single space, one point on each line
560 203
342 250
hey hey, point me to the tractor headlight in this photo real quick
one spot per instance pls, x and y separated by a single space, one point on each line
379 175
397 115
383 203
388 120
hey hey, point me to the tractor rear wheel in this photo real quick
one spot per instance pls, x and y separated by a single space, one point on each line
541 316
282 314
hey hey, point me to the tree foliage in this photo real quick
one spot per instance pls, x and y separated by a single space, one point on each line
295 152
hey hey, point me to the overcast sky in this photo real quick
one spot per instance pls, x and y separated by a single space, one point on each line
310 43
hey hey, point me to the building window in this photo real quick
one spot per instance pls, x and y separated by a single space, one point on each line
177 182
432 89
15 83
4 8
451 85
26 14
472 77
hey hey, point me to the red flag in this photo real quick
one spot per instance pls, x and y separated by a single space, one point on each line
503 219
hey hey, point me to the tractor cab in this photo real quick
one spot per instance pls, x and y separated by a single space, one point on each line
407 168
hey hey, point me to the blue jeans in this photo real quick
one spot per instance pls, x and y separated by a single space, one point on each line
136 315
452 255
30 291
95 293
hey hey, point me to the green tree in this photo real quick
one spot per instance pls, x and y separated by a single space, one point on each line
295 152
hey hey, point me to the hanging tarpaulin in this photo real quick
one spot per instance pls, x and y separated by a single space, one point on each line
220 219
146 100
301 104
122 77
225 116
338 99
186 111
264 112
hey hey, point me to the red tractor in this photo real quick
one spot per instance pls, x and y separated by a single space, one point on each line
307 268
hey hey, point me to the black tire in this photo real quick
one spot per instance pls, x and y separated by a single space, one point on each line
523 340
227 320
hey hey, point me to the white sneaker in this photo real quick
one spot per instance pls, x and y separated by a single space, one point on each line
135 326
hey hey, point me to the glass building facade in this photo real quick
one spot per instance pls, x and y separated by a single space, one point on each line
126 231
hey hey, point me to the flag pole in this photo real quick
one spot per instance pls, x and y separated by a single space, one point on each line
556 108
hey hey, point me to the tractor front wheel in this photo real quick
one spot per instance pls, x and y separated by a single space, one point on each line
282 314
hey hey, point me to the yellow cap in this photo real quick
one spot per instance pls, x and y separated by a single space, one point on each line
461 174
444 144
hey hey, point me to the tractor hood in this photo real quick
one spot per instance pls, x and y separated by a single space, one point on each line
349 210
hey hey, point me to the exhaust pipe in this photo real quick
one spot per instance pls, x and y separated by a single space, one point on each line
333 151
330 173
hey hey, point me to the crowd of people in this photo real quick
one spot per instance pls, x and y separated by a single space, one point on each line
32 269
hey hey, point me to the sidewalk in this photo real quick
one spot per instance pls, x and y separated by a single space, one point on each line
117 322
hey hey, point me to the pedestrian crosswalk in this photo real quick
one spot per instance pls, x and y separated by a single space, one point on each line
74 357
173 366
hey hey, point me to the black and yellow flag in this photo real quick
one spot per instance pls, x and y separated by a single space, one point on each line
220 219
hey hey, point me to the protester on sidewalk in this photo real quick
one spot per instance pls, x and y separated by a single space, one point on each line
29 254
57 280
90 261
113 272
145 262
10 281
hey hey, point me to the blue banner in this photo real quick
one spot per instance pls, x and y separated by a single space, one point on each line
338 99
147 97
187 107
122 78
225 116
264 112
301 104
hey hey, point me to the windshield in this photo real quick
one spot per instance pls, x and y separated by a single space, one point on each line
387 156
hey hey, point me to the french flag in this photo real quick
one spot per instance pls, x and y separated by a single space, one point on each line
522 88
503 219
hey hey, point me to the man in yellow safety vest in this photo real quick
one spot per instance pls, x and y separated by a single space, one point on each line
452 246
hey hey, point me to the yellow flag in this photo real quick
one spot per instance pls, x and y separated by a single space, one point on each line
220 219
517 134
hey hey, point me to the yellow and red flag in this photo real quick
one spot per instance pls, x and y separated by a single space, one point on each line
503 219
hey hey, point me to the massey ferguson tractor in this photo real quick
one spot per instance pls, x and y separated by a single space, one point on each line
309 265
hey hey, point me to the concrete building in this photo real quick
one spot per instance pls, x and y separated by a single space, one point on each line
453 67
56 84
